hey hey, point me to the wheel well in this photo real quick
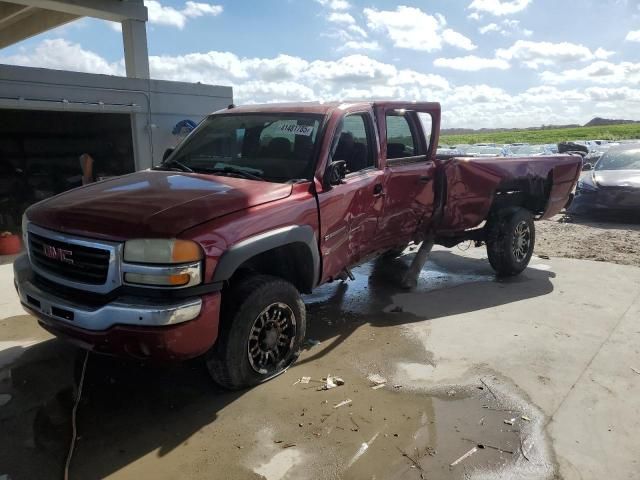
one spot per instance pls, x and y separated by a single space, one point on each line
531 193
292 262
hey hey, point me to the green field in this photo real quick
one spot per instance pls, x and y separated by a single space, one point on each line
551 135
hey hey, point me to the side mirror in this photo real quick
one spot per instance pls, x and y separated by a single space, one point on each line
586 167
336 171
166 153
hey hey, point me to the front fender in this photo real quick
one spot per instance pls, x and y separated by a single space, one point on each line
263 242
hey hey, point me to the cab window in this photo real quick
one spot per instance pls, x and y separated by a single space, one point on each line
402 140
354 144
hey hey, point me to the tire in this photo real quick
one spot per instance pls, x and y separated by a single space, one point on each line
247 352
511 239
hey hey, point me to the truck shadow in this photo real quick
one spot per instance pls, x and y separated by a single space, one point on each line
449 285
127 411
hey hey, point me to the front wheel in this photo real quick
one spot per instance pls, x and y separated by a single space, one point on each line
511 237
263 324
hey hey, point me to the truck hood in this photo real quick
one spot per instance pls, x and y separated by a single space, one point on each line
150 204
617 178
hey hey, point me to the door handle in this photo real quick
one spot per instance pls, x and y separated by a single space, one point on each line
377 189
424 179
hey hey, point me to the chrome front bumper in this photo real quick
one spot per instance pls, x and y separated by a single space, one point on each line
125 310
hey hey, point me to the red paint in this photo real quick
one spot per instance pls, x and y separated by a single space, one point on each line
373 210
150 204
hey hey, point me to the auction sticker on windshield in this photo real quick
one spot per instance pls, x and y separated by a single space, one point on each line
305 130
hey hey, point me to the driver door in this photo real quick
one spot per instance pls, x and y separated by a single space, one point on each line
349 211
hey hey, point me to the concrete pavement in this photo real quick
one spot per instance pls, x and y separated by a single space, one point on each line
554 350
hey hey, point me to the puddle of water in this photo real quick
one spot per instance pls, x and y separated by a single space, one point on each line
280 464
443 430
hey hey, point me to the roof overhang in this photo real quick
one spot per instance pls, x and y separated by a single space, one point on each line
21 19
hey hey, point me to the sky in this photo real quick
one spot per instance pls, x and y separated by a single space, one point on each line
491 63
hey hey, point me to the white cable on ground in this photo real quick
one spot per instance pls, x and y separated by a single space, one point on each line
73 418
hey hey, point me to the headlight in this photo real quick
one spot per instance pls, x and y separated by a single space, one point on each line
162 262
586 187
161 251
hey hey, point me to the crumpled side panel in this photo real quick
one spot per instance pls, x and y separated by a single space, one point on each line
472 183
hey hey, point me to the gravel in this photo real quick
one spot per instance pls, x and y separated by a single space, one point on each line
590 239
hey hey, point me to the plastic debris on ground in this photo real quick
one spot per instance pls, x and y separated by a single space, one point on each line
305 379
510 421
348 401
378 381
332 382
635 370
463 457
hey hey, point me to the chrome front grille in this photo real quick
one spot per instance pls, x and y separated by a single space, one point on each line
77 262
80 264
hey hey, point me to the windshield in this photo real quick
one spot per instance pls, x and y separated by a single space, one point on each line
272 147
620 160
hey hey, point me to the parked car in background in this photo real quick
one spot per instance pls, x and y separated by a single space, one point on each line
485 151
528 150
612 185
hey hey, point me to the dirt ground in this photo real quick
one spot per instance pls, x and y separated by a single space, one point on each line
599 239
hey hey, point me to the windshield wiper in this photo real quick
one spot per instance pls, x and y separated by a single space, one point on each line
181 166
233 170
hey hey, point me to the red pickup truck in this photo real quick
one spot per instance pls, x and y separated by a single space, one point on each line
208 253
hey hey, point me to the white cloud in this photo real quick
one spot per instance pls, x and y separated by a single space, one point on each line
360 45
63 55
347 29
506 28
411 28
492 27
600 72
474 16
290 78
335 4
164 15
535 54
357 30
603 54
455 39
471 63
633 36
341 17
196 9
499 7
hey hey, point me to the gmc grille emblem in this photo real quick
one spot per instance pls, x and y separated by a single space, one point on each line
59 254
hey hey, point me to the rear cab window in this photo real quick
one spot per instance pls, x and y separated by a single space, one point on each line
403 137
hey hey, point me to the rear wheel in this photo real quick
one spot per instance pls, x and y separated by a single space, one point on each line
510 241
263 324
